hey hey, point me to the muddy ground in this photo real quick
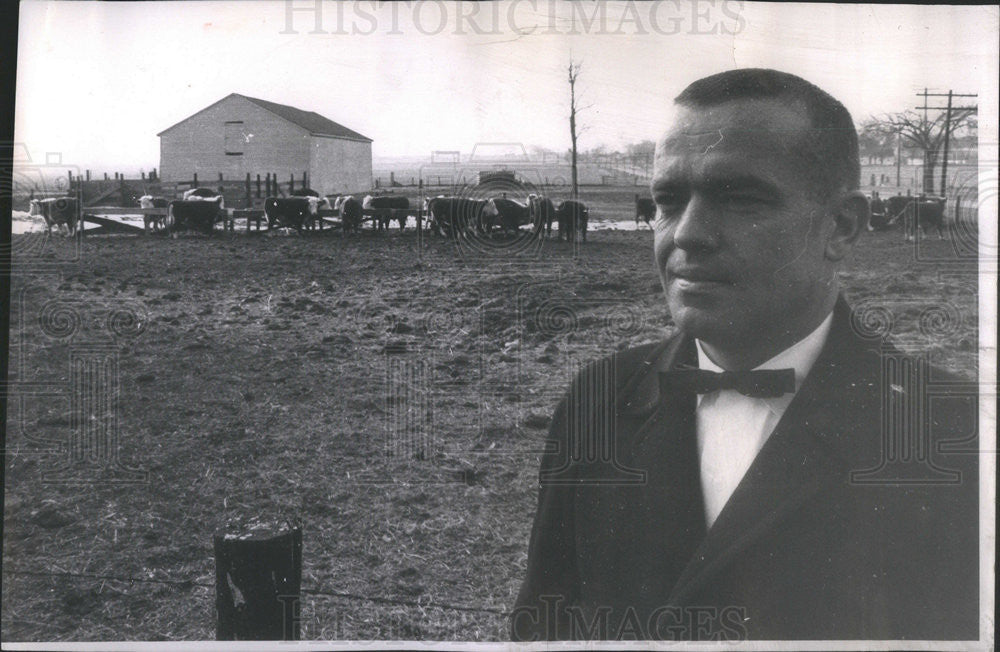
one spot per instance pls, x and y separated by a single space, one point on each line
392 399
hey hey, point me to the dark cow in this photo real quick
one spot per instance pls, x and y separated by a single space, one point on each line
645 209
350 214
149 201
507 213
541 212
451 216
878 220
57 211
895 207
297 212
572 216
387 201
194 215
928 213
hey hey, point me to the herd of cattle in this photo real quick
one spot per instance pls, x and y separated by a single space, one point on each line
201 208
924 210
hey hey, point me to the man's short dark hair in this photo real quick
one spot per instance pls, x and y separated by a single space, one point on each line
832 148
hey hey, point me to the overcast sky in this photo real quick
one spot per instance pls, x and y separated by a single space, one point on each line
96 82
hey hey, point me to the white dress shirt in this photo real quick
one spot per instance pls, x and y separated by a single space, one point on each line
732 428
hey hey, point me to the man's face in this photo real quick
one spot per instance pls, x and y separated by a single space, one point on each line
739 233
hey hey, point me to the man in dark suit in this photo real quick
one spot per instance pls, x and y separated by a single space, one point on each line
773 470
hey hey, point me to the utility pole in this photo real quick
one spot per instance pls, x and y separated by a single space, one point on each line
899 154
947 138
947 126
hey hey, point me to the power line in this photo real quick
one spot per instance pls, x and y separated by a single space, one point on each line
947 125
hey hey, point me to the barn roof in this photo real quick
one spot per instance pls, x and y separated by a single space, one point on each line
311 121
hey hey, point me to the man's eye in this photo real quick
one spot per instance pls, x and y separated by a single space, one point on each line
670 201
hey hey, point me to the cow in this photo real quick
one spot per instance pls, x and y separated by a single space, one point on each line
193 214
541 212
296 212
878 220
57 211
928 213
572 216
645 209
350 214
452 216
895 207
204 194
509 214
149 201
387 201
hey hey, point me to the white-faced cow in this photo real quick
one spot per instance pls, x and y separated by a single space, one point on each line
397 202
294 212
57 211
193 215
451 216
149 201
507 213
572 216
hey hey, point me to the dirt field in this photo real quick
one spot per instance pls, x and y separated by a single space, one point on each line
392 399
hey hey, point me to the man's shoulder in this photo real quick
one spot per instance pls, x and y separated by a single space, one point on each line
629 361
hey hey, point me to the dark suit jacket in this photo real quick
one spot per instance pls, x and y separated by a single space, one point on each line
857 520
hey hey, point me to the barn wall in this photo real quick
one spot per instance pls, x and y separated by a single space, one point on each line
198 145
339 166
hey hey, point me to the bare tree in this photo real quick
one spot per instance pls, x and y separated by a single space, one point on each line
574 73
925 134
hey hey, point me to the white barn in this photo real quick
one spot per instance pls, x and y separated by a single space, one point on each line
239 135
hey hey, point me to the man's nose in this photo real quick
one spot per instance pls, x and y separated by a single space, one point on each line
696 230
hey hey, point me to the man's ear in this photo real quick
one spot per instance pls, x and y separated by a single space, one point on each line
850 219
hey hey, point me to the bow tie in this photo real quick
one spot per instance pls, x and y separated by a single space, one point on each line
765 383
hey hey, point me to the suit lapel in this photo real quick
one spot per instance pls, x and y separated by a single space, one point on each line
662 442
795 463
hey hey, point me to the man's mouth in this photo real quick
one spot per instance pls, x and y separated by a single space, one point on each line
697 275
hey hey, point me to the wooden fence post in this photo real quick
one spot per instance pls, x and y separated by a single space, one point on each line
305 179
258 577
258 186
249 198
291 183
195 181
220 177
